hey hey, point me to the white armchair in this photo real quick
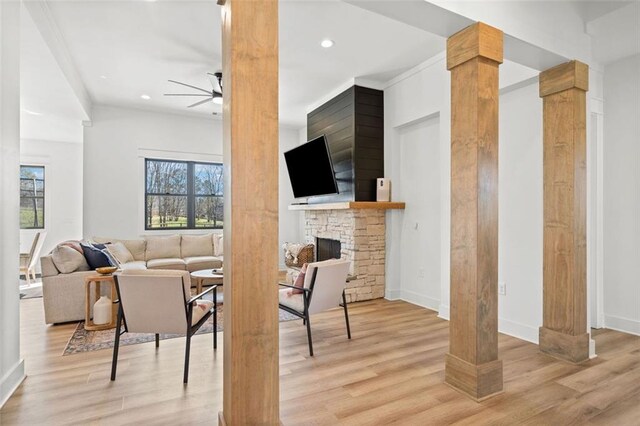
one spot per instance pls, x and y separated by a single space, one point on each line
323 289
158 301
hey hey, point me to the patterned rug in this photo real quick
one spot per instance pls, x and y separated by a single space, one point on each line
87 341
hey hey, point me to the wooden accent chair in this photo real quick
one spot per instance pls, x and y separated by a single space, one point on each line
323 289
159 302
28 261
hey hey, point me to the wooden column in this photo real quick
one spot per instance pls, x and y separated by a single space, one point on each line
250 126
472 365
564 331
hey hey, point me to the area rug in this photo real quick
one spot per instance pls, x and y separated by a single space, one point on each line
87 341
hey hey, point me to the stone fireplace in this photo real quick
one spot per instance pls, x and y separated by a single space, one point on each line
360 238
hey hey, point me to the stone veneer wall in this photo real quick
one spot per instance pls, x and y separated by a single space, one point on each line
361 233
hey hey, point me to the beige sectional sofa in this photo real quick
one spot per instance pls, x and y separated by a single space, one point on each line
64 294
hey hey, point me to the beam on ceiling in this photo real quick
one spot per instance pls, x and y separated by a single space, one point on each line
440 21
43 18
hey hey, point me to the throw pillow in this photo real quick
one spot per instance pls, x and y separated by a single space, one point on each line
196 245
74 244
218 245
163 247
68 260
120 252
300 280
96 258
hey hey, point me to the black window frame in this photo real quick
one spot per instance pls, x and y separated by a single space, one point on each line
191 195
35 197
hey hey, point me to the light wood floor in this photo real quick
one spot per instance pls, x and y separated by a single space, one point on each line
391 372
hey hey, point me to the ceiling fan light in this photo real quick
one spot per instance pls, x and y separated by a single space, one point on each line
217 100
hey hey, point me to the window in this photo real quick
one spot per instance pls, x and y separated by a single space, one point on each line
31 197
183 195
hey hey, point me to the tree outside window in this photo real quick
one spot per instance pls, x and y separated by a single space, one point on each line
183 195
31 197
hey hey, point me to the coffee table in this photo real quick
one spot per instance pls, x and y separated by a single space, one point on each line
213 278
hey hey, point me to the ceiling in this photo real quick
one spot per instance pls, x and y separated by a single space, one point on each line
49 108
124 49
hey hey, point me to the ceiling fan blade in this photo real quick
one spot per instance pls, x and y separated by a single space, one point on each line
186 94
188 85
218 80
200 103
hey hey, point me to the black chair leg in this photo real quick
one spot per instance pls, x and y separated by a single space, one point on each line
186 358
346 314
157 340
116 345
309 335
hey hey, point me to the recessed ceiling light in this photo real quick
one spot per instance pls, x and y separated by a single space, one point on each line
145 97
326 43
31 112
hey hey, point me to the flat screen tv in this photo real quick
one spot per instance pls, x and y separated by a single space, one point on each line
311 170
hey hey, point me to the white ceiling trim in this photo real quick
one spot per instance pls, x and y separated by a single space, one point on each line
41 15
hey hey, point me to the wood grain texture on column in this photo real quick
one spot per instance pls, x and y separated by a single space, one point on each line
564 331
250 131
473 57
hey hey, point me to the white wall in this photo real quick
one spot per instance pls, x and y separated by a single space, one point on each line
622 195
421 98
62 163
418 101
419 187
11 365
114 149
115 146
520 212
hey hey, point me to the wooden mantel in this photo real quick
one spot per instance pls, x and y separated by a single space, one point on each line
346 205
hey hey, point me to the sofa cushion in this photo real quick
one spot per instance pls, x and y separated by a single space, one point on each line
120 252
196 245
136 265
68 260
173 264
287 298
198 263
136 248
218 245
163 247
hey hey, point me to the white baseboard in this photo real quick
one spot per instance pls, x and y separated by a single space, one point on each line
511 328
625 325
10 382
443 312
419 299
392 295
518 330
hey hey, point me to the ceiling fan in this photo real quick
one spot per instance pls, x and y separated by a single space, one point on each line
212 95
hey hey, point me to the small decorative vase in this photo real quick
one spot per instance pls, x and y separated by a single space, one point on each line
102 311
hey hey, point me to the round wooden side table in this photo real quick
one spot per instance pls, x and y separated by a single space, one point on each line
96 280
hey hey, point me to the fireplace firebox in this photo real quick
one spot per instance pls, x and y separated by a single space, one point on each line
327 248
